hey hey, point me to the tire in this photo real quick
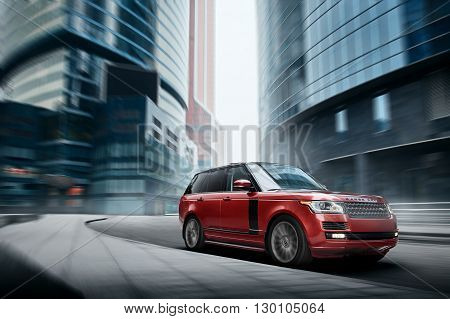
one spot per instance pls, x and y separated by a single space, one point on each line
193 236
287 244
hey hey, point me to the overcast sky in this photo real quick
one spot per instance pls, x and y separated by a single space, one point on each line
236 70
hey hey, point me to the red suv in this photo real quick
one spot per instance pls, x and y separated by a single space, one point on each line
284 211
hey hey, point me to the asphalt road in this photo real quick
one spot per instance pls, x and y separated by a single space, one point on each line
413 264
60 256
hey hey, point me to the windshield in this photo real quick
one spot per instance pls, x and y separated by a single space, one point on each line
284 177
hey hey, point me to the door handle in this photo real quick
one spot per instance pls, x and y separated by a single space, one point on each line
200 199
227 198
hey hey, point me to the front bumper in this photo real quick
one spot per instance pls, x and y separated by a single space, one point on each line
341 248
362 236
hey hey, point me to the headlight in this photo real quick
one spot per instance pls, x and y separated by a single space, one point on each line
325 207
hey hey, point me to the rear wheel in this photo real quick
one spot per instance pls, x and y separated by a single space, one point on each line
286 242
193 234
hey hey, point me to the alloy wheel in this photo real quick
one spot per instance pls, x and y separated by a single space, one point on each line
192 233
284 242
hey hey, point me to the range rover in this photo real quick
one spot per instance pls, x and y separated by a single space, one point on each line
284 211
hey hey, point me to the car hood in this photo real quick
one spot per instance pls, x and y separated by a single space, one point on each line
309 195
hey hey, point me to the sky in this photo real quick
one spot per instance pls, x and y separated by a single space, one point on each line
236 73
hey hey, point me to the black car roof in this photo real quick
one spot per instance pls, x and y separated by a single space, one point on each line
230 165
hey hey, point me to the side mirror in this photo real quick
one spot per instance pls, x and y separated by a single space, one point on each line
243 184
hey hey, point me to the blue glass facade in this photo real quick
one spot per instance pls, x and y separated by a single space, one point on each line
152 34
20 135
326 63
312 51
137 170
57 56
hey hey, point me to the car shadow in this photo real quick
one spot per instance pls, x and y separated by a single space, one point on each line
337 266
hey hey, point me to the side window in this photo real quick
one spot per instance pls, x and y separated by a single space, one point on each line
217 181
200 183
189 188
236 173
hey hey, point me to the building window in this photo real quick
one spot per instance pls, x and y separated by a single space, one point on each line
157 122
382 113
156 135
341 121
437 96
172 146
172 135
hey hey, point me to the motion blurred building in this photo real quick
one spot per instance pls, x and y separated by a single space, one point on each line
200 118
20 135
357 92
121 64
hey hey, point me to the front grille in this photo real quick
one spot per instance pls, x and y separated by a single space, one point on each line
334 225
366 210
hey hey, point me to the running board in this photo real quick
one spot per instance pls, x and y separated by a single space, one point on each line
234 245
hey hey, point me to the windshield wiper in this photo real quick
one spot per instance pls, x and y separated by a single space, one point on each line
274 189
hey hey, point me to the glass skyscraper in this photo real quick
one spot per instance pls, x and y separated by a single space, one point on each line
340 81
58 55
151 34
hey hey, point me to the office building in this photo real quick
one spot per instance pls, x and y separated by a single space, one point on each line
72 57
357 93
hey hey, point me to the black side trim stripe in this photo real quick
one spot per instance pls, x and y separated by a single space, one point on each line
227 230
253 216
255 232
233 245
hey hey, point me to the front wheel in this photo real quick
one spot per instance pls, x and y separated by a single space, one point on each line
287 244
193 234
